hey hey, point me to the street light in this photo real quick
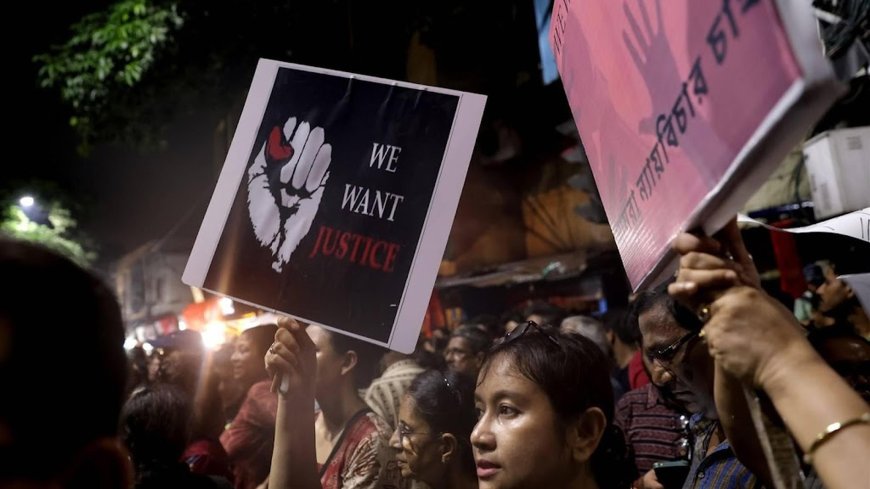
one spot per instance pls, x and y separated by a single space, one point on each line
26 202
34 210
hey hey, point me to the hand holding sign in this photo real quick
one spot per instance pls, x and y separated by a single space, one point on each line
292 361
754 337
708 266
282 209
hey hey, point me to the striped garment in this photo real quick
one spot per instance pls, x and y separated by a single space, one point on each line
653 431
718 469
385 393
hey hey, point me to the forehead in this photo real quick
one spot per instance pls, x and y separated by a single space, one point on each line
658 327
459 343
319 336
408 413
501 379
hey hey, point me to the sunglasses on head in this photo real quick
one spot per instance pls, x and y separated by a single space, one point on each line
519 331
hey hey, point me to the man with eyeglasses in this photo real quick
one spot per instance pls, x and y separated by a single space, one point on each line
671 342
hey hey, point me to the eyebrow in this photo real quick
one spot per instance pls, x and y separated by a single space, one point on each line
504 394
655 346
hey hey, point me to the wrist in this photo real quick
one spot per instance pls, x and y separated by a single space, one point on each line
783 368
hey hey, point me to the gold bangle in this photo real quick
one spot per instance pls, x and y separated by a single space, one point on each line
829 433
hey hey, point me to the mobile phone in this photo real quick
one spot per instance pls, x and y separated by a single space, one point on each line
671 474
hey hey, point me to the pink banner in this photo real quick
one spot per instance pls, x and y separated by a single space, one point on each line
666 95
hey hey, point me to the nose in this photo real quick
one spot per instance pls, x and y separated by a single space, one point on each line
482 438
662 376
395 443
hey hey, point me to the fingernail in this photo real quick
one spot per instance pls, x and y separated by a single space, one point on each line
687 286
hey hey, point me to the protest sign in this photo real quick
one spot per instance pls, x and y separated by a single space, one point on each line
854 225
685 107
336 199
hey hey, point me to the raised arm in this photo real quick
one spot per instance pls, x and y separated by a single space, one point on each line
293 358
709 266
756 340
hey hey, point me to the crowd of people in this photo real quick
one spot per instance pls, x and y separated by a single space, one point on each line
651 396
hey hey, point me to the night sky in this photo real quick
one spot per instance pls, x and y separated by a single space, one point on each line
126 196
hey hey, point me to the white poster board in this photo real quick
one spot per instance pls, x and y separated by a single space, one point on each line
336 200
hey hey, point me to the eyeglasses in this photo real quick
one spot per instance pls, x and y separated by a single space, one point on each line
523 329
405 433
667 354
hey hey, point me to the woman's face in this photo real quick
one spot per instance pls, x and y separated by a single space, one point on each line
246 365
416 446
517 441
329 363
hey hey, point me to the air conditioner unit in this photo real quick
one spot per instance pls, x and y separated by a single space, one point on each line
838 165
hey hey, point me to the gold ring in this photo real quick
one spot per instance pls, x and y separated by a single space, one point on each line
704 314
702 335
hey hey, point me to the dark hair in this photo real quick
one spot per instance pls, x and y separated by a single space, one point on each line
658 297
367 357
489 324
575 376
817 336
813 274
155 425
851 260
446 401
550 314
849 362
64 337
478 341
621 323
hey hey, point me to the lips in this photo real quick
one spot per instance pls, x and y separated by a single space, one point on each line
487 469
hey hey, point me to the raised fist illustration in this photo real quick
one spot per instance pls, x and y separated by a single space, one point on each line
285 186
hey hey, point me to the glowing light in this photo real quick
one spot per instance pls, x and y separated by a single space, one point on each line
148 348
130 343
182 324
214 335
26 201
226 305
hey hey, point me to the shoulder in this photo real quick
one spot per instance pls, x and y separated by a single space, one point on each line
260 390
633 398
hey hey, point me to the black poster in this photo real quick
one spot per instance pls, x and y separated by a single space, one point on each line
326 219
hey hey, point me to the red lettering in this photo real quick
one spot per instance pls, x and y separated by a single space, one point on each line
365 255
327 249
373 262
390 260
342 245
356 240
366 251
317 242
